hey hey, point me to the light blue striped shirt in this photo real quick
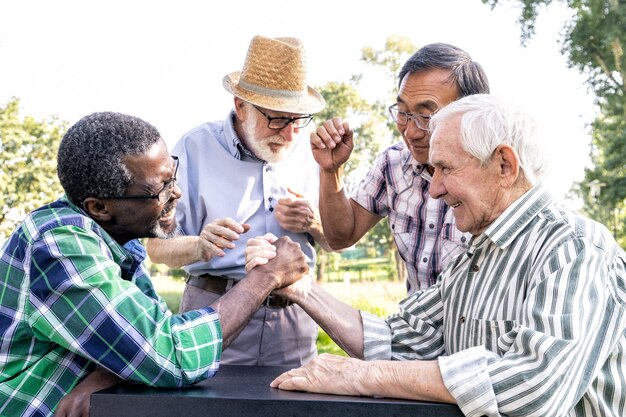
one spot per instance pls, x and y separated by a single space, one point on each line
529 321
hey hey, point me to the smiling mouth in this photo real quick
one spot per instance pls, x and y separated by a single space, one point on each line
454 205
168 214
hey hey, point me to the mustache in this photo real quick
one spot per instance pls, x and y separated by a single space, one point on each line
277 139
167 208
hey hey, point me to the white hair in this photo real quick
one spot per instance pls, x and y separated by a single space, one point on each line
488 121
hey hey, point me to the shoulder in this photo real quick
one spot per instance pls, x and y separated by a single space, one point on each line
55 215
397 155
200 136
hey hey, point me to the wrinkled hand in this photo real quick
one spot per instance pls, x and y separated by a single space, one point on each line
329 374
332 144
259 250
289 264
217 236
76 403
296 214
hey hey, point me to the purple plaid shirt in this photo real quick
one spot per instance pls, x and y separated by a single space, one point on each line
423 228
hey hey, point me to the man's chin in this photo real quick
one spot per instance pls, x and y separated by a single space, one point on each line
162 232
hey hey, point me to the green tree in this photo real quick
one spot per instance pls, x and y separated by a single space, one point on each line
28 177
593 42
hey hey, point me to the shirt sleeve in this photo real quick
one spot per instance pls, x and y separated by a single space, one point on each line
79 301
415 332
573 319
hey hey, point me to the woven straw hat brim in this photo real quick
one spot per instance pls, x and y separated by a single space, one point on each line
309 103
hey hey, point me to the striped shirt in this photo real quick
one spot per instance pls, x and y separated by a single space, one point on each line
423 227
71 298
529 321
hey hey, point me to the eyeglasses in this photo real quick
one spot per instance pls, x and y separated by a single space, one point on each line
402 118
162 196
279 123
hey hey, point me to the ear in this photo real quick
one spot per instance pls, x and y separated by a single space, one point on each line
508 160
240 109
98 209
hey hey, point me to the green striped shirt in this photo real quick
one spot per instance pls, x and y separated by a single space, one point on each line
529 321
70 298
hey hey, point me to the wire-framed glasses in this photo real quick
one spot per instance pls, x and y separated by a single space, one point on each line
402 118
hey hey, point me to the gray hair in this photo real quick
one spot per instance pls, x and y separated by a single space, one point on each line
90 160
487 122
468 75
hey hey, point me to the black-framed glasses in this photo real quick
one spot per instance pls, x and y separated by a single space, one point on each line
279 123
163 196
402 118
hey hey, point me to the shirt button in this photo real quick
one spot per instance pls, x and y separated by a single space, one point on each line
462 319
270 199
431 226
425 260
271 208
475 268
463 239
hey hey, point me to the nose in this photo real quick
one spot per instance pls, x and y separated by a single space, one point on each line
176 192
437 189
289 132
411 131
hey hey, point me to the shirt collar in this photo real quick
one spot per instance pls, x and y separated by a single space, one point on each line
505 229
410 167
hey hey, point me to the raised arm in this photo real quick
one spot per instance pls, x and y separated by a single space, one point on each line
344 221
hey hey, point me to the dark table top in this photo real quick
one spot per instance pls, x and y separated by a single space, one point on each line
239 391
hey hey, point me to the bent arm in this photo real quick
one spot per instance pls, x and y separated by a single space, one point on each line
175 252
344 220
342 322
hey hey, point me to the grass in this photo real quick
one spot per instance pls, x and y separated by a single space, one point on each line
379 298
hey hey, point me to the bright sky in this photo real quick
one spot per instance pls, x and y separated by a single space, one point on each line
164 61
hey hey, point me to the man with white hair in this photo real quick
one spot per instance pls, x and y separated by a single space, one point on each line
530 320
254 171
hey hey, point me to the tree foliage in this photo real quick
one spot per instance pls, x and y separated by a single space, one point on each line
593 42
28 178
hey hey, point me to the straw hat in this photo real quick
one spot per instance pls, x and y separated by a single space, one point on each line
274 77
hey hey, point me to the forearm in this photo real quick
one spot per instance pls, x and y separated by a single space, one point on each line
175 252
237 306
336 211
340 321
411 380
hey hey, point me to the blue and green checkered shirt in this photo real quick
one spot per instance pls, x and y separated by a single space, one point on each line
71 297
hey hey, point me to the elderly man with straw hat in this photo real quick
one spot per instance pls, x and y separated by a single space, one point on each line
253 172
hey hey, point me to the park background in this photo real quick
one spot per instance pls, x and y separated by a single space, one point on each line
163 61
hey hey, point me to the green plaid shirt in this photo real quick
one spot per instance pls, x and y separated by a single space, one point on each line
71 298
